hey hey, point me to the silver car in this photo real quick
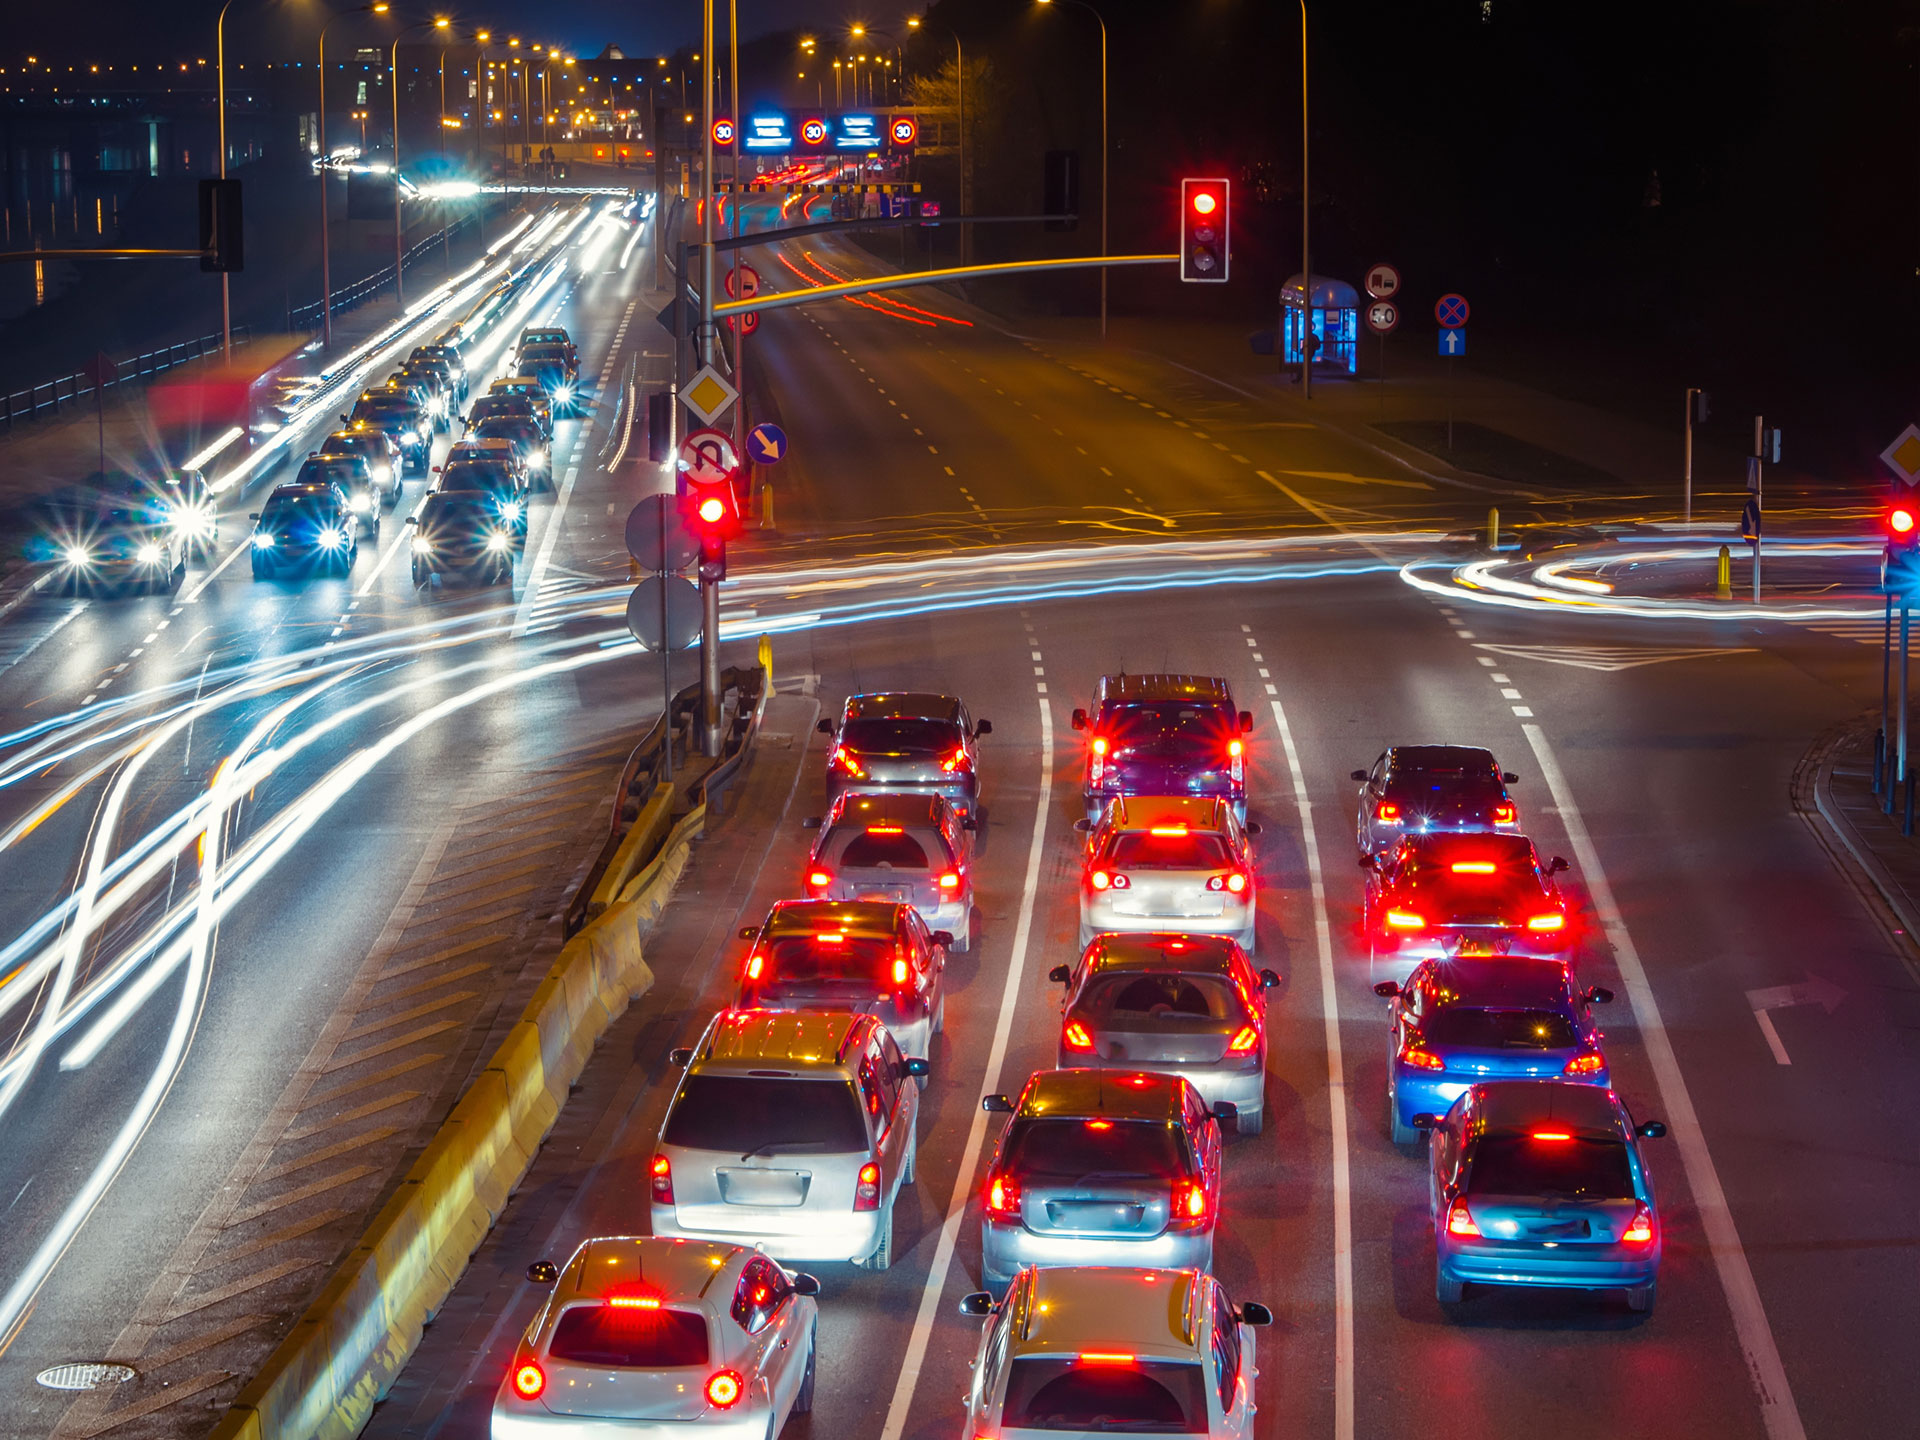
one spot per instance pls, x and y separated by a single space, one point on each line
914 849
1168 862
1186 1005
793 1130
1102 1167
658 1338
906 741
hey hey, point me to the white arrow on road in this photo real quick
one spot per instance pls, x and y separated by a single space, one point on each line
1814 991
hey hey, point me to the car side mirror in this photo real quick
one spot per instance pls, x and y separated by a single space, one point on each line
996 1104
1651 1130
825 727
1083 825
812 822
1598 995
436 469
1424 1121
1060 975
1225 1112
914 1065
413 519
985 727
1252 1312
1556 865
253 514
747 932
1367 862
968 824
1079 719
979 1304
346 420
1246 722
943 938
681 1055
805 1284
1359 775
542 1272
1253 827
1386 989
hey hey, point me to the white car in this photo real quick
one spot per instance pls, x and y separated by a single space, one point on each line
654 1337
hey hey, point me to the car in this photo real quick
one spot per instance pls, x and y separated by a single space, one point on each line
1114 1350
1186 1005
876 958
353 475
553 367
792 1129
461 532
1163 735
1413 789
304 525
530 446
534 391
114 532
445 359
511 404
377 448
906 741
548 335
192 510
1436 895
660 1338
495 476
432 386
911 848
1102 1167
1541 1182
1168 862
395 412
1457 1022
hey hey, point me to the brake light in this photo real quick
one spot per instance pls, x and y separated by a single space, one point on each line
1236 748
1099 745
1387 811
957 762
634 1302
866 1190
1105 1357
1503 814
885 830
1244 1041
901 972
1405 920
1233 880
831 937
1413 1053
1460 1221
846 762
1553 1135
529 1380
1472 867
1168 830
662 1180
1553 921
724 1388
819 879
1639 1230
1003 1197
950 880
1591 1064
1099 1124
756 962
1075 1037
1097 764
1188 1210
1105 879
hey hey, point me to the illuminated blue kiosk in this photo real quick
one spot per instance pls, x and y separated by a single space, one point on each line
1335 317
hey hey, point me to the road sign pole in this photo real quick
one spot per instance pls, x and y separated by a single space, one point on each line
666 666
709 664
1886 685
1900 744
1759 463
1688 514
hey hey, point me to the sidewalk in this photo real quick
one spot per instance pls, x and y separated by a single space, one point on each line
1842 786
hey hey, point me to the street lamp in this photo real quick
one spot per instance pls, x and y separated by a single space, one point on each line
393 75
960 104
326 257
1103 150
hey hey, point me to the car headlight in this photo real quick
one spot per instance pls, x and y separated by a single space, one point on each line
498 542
510 509
537 459
77 556
262 540
192 520
563 394
148 554
360 504
425 432
438 405
383 473
422 545
333 539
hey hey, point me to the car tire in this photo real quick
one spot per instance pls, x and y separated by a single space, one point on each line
803 1398
422 577
1252 1121
1402 1134
882 1256
1448 1292
1640 1298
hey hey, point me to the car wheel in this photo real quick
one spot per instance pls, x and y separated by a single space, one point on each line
1252 1121
803 1401
1640 1298
940 1015
1402 1134
882 1255
1447 1291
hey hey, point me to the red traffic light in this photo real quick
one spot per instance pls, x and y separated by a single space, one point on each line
1204 220
1900 520
713 510
1205 202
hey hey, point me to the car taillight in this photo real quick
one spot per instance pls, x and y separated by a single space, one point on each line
1460 1221
1244 1041
756 962
1189 1206
1405 920
662 1180
1106 1357
1233 881
902 972
958 763
1639 1230
1236 760
1003 1197
529 1380
1097 759
950 880
1413 1053
819 879
724 1388
1075 1037
1503 814
1591 1064
846 762
1107 879
1387 811
1552 921
866 1190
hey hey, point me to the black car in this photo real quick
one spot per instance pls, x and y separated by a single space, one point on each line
1418 789
508 405
395 412
115 532
446 360
304 527
430 382
1164 735
553 367
459 532
497 481
355 476
374 446
528 442
191 510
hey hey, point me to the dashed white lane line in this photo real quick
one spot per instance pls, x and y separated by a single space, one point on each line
524 614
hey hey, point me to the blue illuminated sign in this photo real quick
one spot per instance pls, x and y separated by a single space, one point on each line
859 132
768 132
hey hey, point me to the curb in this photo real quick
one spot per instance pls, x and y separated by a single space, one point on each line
1835 822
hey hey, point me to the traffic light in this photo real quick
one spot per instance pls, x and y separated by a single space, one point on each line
220 241
1203 231
713 514
1902 525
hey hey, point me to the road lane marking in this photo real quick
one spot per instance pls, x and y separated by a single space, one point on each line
192 597
524 615
1778 1411
1773 1038
989 1083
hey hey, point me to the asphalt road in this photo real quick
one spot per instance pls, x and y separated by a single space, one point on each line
923 442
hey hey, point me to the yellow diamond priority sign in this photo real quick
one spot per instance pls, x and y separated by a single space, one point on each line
1903 456
708 395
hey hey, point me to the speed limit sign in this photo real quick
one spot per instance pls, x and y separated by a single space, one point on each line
1382 316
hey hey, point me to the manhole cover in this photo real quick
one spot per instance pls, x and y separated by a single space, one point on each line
85 1375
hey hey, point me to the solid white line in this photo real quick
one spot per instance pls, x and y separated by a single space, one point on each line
989 1083
1777 1409
532 590
1336 1097
1773 1038
245 547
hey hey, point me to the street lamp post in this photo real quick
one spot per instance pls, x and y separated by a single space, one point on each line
326 251
1306 248
1103 150
393 75
960 105
220 83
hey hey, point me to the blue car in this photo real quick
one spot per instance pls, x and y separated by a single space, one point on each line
1458 1022
1540 1182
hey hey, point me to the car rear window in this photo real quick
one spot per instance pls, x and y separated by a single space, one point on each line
1078 1147
476 475
300 507
1477 1029
1143 850
868 849
629 1337
1579 1168
768 1115
808 959
1170 729
500 427
1139 1397
900 735
1130 996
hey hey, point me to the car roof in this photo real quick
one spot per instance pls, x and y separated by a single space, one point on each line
859 807
615 1264
1146 950
1496 981
1124 687
791 1039
300 490
1146 1312
1132 1094
894 704
852 917
356 437
1522 1104
1439 847
1142 812
1470 758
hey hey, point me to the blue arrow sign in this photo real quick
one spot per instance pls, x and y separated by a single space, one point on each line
766 444
1453 342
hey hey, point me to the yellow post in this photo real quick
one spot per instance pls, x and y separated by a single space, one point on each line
633 568
1723 585
1493 527
766 660
766 505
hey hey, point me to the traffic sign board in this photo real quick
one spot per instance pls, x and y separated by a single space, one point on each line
707 457
746 324
657 535
766 443
723 131
1903 455
930 209
1451 311
708 394
1453 342
679 597
903 130
1382 316
1383 282
813 131
748 282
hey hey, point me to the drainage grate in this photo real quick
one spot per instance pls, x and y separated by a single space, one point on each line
85 1375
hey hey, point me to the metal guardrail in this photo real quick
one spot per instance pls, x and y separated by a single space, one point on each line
49 396
307 317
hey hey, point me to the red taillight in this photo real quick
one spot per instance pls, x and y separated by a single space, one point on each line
902 972
885 830
529 1380
866 1191
1099 745
1639 1230
1388 811
634 1302
846 762
1236 748
1107 879
1503 814
1180 830
1413 1053
958 762
1405 920
1460 1222
1472 867
1105 1357
756 962
662 1180
1003 1197
1552 1136
1591 1064
1232 881
1553 921
1075 1037
1244 1041
950 880
819 879
725 1388
1189 1210
1097 763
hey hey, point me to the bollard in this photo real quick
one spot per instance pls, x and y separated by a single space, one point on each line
766 661
1723 586
1879 759
1493 528
766 505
